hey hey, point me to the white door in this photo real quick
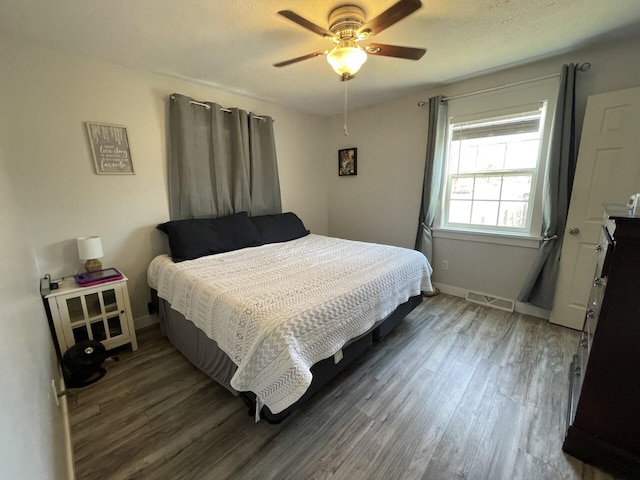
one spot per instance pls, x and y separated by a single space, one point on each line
608 171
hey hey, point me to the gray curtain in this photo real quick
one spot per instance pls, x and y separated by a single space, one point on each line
264 185
540 285
220 162
433 169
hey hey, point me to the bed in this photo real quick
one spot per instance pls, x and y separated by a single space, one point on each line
271 311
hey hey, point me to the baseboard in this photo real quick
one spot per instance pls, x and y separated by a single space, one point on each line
64 405
532 310
451 290
520 307
145 321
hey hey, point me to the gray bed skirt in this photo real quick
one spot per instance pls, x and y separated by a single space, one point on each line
199 349
205 354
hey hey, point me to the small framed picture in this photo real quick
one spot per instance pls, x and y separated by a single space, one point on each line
347 162
110 149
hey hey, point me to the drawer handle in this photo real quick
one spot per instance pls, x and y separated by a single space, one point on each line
599 248
590 313
598 282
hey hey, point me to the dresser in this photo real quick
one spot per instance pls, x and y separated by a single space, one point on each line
604 400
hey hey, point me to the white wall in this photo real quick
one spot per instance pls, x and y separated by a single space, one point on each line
46 97
33 439
382 202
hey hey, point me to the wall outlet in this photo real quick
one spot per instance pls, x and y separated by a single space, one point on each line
445 264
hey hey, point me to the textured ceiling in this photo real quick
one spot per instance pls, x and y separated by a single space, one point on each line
232 44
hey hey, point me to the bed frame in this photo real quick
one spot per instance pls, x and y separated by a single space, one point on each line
205 354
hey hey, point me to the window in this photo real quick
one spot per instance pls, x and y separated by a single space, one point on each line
496 156
492 169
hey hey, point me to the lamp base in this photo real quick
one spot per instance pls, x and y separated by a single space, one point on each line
93 265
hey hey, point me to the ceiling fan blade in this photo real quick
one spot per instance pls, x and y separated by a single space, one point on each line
303 22
299 59
393 14
409 53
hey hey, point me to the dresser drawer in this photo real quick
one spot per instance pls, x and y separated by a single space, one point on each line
604 251
583 355
593 309
575 384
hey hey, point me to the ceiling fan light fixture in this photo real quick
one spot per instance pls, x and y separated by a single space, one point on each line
346 58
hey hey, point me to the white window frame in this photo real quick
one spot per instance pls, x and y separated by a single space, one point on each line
532 171
506 101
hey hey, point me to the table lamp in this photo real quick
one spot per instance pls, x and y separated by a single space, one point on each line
90 249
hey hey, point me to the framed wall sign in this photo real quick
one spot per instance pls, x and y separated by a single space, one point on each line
347 162
110 149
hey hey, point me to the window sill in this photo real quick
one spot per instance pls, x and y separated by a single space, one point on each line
498 238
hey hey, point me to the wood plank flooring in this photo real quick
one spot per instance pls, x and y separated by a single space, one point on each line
456 391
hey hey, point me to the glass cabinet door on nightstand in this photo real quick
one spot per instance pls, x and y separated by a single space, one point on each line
99 315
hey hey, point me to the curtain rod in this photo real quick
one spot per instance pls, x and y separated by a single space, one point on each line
208 107
580 67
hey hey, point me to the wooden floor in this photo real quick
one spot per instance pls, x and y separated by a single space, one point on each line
456 391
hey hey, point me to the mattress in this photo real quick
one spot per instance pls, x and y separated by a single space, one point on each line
277 309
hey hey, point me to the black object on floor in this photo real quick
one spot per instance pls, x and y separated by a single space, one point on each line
82 363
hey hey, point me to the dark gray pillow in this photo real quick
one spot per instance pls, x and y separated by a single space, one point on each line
280 227
195 238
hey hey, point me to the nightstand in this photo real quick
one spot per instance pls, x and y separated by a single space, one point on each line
99 312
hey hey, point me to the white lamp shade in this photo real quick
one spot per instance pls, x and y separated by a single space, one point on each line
346 58
89 248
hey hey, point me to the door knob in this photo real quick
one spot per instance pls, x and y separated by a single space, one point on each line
574 231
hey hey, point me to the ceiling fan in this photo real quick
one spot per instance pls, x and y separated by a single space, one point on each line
347 28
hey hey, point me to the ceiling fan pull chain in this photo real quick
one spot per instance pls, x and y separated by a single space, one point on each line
346 131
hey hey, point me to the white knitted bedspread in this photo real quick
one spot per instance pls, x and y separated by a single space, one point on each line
277 309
